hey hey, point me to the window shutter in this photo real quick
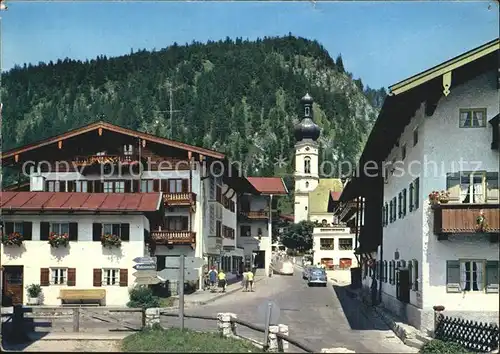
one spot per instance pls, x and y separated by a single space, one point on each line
492 194
404 202
415 275
90 186
164 185
160 263
453 276
390 211
135 186
492 283
416 199
185 186
128 186
125 232
411 197
44 231
400 205
28 230
62 186
46 186
9 228
123 277
185 223
115 229
96 231
98 187
453 186
410 271
44 277
97 277
71 276
156 185
73 231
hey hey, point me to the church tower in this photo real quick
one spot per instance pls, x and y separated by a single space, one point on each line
306 159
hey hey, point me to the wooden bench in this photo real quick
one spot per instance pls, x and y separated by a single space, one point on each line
82 295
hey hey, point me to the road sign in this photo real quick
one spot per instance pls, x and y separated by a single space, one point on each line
148 281
145 274
275 311
145 259
144 266
189 262
172 273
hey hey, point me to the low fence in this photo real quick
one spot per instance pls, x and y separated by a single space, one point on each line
476 336
275 338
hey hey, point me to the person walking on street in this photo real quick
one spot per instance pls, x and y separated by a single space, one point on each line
212 276
222 280
250 277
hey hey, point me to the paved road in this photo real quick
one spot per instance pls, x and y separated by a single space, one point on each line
319 317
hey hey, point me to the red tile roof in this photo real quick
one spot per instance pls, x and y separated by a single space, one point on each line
59 201
268 185
335 196
287 217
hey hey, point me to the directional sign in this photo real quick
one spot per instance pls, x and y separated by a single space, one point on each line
145 274
145 259
189 262
275 311
148 281
144 266
172 273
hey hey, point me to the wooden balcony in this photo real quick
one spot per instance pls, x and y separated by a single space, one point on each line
255 215
103 159
169 237
461 219
179 199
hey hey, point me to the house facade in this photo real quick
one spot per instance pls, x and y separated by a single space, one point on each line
333 246
436 195
199 187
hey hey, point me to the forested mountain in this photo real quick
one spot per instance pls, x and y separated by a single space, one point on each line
236 96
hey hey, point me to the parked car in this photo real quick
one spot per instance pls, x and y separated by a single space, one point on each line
305 272
317 276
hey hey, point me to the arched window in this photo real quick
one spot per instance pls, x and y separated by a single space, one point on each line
307 111
307 184
307 164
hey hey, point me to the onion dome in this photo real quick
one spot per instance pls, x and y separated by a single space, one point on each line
307 129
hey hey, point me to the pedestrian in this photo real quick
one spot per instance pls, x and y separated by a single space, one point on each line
244 283
212 275
222 280
250 277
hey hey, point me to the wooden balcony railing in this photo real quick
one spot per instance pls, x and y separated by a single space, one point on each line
179 199
261 214
462 218
103 159
169 237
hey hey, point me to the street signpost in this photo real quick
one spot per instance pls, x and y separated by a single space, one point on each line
172 273
146 271
272 313
189 262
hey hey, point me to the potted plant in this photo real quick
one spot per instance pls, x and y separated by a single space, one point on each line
481 224
12 239
444 197
34 292
436 198
109 240
56 240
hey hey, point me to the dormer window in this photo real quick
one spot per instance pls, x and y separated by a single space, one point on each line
128 150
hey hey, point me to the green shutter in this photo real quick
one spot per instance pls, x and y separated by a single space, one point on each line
453 276
415 275
492 187
492 275
411 197
417 193
404 202
453 186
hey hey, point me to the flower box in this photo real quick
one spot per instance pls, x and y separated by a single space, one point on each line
56 240
108 240
436 198
13 239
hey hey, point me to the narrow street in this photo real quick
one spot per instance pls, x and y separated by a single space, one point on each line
316 316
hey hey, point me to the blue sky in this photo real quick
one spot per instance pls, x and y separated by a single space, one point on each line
381 42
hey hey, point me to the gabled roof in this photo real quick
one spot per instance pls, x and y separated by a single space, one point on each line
269 185
445 67
318 198
97 202
116 129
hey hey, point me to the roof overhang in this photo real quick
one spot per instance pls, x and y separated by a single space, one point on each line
444 68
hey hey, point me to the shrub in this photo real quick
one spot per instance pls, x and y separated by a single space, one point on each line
141 296
34 290
443 347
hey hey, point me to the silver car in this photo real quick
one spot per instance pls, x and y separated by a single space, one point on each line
317 276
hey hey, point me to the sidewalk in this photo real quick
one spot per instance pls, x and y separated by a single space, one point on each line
203 297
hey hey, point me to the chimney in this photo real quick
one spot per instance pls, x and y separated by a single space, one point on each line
37 181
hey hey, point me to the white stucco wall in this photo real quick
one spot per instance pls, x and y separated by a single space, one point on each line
84 255
441 145
336 254
305 182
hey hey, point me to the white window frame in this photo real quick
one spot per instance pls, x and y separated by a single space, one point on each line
81 186
57 227
331 245
109 226
58 276
481 270
54 186
471 188
18 227
472 117
346 244
128 150
110 277
107 187
119 187
175 185
146 186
